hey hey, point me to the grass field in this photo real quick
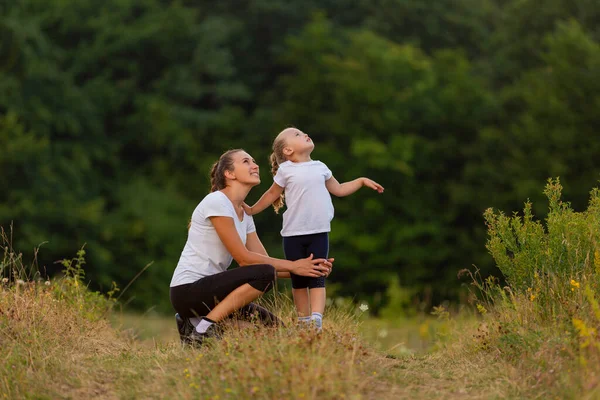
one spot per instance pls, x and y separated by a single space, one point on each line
59 346
536 338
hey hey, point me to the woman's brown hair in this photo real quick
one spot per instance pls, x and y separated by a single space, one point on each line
217 172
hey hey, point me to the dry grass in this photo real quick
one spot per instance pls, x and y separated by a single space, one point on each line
51 349
47 345
59 340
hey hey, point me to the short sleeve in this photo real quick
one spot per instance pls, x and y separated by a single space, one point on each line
250 227
326 171
216 206
280 177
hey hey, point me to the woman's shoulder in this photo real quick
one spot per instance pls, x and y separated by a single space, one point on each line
212 200
213 196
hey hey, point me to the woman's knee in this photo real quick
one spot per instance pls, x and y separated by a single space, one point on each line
267 271
264 275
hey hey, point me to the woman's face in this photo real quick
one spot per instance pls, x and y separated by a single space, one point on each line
245 169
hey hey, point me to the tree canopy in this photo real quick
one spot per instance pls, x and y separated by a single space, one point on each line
112 112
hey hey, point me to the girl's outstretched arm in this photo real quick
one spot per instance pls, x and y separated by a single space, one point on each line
347 188
265 200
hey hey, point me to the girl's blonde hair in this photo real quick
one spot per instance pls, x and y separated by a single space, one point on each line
277 157
217 172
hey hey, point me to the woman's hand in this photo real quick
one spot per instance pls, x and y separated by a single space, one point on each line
313 267
329 265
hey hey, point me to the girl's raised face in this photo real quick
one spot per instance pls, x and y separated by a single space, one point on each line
245 169
297 141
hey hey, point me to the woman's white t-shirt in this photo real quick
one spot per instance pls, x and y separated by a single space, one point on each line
309 207
204 254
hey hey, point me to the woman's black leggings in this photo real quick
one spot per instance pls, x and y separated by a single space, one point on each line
197 299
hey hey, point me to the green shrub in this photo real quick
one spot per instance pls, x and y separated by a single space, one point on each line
563 251
72 290
548 316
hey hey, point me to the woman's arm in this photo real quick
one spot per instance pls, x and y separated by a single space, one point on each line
225 228
347 188
265 200
254 244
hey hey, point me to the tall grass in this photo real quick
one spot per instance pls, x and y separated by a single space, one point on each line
56 342
288 363
49 329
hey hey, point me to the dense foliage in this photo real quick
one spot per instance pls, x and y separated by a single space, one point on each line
111 113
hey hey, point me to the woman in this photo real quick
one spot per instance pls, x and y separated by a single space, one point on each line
203 291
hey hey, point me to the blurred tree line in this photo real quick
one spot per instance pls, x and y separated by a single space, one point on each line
111 113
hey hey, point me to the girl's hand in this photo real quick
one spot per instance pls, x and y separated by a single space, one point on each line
247 208
373 185
313 267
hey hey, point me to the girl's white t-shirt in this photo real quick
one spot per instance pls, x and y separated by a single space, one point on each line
308 202
204 254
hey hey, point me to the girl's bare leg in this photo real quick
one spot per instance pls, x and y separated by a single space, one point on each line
317 300
302 302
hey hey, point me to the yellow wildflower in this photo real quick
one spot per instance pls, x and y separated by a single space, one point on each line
574 283
481 309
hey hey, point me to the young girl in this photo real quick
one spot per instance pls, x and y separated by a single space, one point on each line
306 221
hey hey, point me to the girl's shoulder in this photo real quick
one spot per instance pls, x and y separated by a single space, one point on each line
320 163
306 164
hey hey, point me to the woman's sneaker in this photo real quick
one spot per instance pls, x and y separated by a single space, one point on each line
185 328
196 338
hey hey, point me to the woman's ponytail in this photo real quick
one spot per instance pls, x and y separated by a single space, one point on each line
217 173
216 180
